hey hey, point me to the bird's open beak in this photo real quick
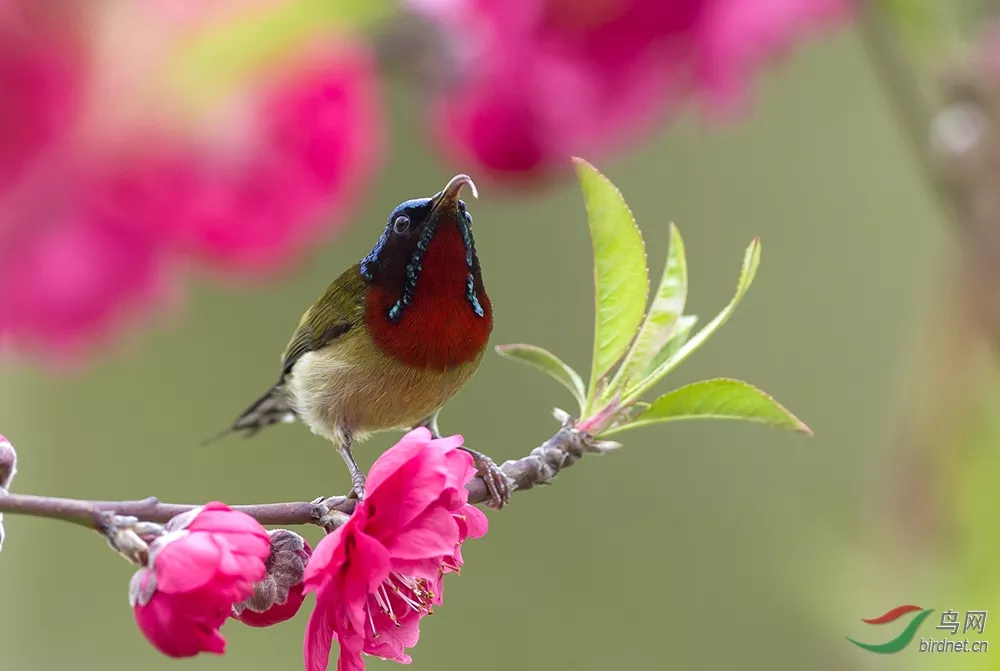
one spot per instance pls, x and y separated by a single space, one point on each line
449 196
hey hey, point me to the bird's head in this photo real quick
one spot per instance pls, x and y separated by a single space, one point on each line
423 273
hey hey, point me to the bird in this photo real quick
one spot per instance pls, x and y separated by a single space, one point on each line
391 340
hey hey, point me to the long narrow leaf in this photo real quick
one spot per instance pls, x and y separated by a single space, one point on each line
548 363
661 321
621 285
751 260
680 336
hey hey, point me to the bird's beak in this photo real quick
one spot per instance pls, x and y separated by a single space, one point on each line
448 198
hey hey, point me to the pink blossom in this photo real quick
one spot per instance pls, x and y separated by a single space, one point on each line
302 152
547 79
376 576
73 275
279 595
208 560
739 35
99 211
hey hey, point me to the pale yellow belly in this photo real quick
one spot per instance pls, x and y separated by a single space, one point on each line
351 387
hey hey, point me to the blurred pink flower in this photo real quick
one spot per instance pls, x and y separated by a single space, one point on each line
305 152
73 275
376 576
208 561
96 211
279 596
547 79
738 35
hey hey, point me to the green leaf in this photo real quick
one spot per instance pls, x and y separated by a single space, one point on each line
620 279
751 260
549 363
685 324
661 321
716 399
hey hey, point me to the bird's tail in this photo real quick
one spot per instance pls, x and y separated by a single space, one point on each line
271 408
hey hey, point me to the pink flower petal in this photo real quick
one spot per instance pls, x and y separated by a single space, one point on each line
217 516
400 496
476 522
368 566
166 627
409 446
319 635
187 563
325 558
461 467
242 533
350 654
393 640
434 534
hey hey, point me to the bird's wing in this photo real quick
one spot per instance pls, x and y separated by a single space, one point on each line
341 309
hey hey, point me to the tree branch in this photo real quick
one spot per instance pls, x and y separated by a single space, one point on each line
544 462
91 513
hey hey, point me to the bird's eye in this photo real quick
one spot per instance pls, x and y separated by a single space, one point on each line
401 225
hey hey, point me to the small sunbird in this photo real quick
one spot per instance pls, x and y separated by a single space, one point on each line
392 339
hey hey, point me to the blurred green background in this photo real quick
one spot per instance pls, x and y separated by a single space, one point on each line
698 546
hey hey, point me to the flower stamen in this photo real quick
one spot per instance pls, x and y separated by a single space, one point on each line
371 620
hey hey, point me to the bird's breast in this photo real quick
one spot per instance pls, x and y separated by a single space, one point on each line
352 385
446 324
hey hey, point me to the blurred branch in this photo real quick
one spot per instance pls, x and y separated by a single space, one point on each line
901 86
958 150
414 49
956 139
539 467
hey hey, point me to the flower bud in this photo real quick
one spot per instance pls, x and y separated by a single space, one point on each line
8 463
208 560
279 596
8 467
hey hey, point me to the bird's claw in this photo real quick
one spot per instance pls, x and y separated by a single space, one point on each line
358 482
496 481
325 517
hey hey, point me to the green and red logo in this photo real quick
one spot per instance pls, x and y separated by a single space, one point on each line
904 638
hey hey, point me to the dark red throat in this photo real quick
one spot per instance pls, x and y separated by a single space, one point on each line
440 329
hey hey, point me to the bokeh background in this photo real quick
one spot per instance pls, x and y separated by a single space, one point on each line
703 545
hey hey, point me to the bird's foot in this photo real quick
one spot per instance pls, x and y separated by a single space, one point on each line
497 482
358 481
357 475
326 518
